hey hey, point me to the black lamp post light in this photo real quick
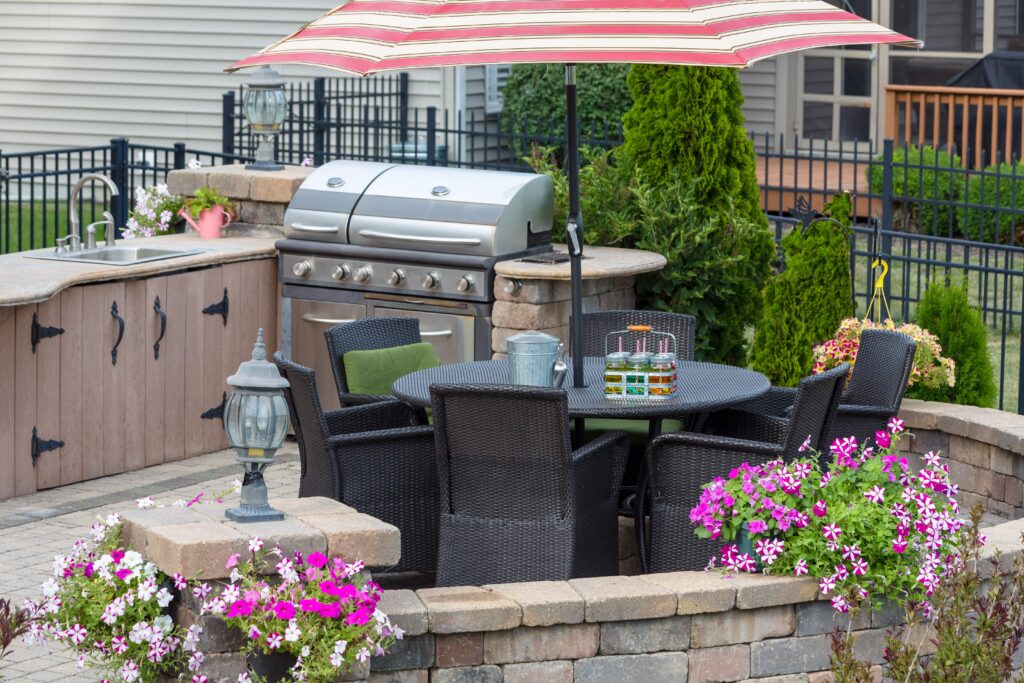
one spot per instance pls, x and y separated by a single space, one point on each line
256 421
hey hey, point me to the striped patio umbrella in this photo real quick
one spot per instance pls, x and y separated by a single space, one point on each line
363 37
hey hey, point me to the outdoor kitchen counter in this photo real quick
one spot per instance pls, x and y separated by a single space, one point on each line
27 280
598 262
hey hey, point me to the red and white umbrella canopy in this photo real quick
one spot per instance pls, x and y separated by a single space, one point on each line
367 36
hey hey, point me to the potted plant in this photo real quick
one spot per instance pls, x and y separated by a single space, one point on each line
868 529
208 212
314 618
110 608
156 211
930 368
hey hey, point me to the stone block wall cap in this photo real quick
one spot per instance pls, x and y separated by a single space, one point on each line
462 609
598 262
621 598
543 603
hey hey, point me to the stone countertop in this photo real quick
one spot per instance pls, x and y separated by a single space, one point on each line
25 280
598 262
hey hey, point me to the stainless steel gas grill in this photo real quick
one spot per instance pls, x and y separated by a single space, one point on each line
371 239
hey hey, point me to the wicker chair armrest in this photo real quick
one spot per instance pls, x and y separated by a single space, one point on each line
590 464
778 401
381 436
715 442
371 417
865 411
363 399
740 424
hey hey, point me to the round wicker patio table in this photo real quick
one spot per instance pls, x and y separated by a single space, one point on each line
702 387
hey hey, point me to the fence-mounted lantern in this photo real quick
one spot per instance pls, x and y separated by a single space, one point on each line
265 107
256 420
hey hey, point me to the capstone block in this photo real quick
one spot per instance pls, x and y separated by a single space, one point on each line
768 590
196 551
405 611
135 522
356 536
620 598
544 603
696 592
461 609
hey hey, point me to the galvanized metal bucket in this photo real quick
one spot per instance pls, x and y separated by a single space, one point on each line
535 359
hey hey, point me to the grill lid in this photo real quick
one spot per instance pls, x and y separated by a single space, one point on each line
321 207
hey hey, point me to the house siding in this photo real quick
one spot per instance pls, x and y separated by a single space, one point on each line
79 72
760 90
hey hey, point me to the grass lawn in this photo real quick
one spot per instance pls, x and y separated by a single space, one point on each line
35 225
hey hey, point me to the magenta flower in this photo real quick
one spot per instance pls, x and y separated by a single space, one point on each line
800 568
831 532
240 608
805 445
232 561
363 615
876 494
284 610
316 560
899 546
757 526
820 509
123 574
330 611
883 439
310 605
895 425
117 555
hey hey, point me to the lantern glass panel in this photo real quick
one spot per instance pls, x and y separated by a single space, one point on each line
256 419
265 108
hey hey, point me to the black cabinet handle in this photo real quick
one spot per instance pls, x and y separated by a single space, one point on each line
120 333
163 328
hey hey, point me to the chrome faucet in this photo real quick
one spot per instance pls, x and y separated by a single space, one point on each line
75 230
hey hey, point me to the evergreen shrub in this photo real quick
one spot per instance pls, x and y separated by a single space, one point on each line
1000 187
922 178
945 310
533 100
805 303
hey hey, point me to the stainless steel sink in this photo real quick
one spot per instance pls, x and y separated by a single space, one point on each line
116 256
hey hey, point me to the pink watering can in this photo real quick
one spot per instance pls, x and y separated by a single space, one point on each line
211 221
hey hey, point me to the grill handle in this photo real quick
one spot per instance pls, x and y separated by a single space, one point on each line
472 241
301 227
439 333
310 318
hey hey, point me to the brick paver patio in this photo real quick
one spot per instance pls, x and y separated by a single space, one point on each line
35 528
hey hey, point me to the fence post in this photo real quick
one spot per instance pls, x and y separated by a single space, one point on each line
887 185
403 107
227 122
431 136
319 121
179 155
119 174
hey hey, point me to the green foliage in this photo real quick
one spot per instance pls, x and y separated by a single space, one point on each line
533 98
923 173
687 121
975 626
805 304
207 198
718 261
999 186
946 311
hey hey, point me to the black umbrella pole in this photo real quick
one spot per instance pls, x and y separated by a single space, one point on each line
574 223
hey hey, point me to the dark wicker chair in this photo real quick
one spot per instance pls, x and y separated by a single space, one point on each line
374 458
366 335
598 324
879 378
517 503
678 464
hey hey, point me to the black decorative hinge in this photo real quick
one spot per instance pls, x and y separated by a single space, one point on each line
216 412
219 308
40 446
41 332
803 211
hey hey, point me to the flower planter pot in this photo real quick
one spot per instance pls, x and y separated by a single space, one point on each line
746 545
210 223
271 668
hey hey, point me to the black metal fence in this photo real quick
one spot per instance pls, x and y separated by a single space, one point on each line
370 119
35 186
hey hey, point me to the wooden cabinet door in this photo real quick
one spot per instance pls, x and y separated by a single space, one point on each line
173 361
132 361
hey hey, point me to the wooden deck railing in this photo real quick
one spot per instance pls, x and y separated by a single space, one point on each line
984 125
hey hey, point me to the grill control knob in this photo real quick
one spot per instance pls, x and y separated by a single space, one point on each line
340 272
430 280
465 283
364 274
302 269
396 277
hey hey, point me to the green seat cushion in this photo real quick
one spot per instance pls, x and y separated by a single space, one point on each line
636 429
373 372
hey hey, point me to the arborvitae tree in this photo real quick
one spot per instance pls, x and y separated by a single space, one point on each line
805 303
687 122
945 310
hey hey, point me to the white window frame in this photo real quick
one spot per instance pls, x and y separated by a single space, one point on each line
495 76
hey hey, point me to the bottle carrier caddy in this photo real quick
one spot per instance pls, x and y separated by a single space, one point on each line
639 365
